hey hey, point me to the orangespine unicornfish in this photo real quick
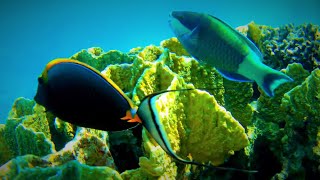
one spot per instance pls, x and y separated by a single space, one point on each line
81 95
214 42
149 117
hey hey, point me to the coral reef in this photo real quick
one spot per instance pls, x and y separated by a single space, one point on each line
219 123
27 129
287 44
30 130
221 136
292 118
33 167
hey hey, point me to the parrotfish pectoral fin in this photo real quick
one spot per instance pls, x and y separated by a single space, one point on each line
193 36
233 76
272 81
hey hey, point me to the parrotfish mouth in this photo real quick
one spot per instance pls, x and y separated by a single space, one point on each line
170 20
176 26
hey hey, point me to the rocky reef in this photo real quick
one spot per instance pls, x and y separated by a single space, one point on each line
220 122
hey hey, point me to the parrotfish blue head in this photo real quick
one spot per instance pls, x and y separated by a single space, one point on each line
214 42
79 94
186 21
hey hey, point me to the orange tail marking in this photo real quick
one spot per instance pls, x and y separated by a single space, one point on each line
127 117
131 119
135 119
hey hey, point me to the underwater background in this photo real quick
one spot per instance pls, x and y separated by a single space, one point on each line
223 123
34 32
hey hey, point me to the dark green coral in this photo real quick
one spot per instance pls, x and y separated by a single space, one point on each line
288 44
103 59
288 125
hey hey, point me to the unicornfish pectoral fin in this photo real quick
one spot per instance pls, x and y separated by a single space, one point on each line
272 81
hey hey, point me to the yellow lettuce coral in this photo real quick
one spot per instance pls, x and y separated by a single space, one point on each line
198 126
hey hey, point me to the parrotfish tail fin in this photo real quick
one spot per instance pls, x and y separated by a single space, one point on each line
273 80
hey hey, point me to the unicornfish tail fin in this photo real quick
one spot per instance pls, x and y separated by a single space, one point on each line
273 80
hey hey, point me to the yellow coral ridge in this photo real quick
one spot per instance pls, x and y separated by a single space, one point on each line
205 130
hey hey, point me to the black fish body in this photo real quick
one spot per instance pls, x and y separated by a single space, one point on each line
79 94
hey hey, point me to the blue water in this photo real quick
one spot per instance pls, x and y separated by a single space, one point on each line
33 32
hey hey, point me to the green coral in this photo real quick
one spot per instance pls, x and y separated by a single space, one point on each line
34 167
88 147
174 46
21 107
150 53
287 44
237 99
205 125
255 33
221 136
121 77
65 129
156 73
32 142
27 129
302 106
201 76
155 69
6 153
269 108
103 59
156 162
288 124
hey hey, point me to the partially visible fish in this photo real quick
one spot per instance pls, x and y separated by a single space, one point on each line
214 42
148 115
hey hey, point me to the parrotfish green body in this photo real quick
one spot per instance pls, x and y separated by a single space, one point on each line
214 42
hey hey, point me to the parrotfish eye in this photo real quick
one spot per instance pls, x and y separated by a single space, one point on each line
40 80
177 15
189 20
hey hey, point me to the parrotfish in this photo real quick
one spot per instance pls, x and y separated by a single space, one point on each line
81 95
214 42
